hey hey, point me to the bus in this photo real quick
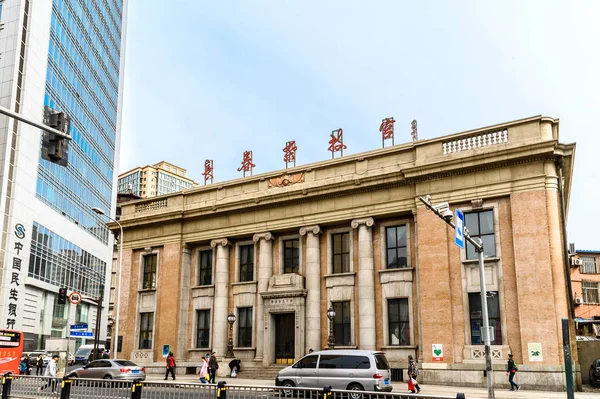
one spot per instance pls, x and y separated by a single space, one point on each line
11 351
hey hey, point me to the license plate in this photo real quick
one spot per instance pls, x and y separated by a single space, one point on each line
387 381
135 371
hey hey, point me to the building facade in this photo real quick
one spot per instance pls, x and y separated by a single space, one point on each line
154 180
66 55
585 280
279 249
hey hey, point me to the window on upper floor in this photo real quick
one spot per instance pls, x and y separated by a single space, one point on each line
590 292
340 253
246 263
291 256
588 264
205 267
149 274
395 244
481 225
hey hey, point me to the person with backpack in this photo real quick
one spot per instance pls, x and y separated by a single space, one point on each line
24 365
170 366
511 370
413 372
213 366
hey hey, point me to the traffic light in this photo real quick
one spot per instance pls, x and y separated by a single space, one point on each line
62 296
54 147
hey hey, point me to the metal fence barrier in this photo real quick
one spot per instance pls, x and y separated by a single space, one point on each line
31 387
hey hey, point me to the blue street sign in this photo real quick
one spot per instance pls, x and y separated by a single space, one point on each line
81 334
79 326
459 235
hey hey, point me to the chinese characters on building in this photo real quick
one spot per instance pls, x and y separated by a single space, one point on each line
414 134
336 144
208 171
15 279
387 130
247 164
289 153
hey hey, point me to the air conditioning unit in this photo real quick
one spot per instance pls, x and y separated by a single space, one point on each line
576 262
578 301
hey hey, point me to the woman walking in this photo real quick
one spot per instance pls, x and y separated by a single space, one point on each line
511 370
204 370
413 372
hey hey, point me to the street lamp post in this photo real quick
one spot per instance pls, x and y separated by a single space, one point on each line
230 320
444 213
115 339
331 317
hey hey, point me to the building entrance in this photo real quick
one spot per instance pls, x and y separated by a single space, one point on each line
284 338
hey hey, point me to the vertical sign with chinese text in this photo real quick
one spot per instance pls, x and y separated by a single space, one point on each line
15 281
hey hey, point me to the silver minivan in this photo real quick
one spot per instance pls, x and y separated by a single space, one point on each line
352 370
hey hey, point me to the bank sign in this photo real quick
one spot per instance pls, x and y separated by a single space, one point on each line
15 276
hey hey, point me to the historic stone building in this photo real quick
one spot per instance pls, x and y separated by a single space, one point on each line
278 249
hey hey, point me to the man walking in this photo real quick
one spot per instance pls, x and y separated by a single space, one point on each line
413 371
51 371
213 366
170 366
511 370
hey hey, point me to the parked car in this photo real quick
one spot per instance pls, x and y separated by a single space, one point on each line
110 369
352 370
595 372
82 355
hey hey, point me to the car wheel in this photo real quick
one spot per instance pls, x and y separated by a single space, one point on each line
288 384
355 387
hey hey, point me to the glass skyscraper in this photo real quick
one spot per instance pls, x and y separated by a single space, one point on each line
67 56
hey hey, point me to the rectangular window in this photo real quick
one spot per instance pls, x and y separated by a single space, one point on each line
205 267
395 243
146 330
244 327
590 292
476 317
341 253
246 263
398 321
291 256
341 323
202 328
149 271
588 264
481 225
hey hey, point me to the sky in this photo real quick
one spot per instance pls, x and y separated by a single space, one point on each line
209 80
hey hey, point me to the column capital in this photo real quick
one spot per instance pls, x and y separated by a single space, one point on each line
220 241
366 221
186 249
310 229
265 236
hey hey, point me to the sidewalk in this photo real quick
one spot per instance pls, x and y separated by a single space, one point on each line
400 387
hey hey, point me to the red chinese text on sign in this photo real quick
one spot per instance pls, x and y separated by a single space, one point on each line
208 170
337 142
247 164
289 153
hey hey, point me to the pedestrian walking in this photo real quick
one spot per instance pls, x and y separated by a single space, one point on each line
511 370
204 370
39 365
51 370
213 366
413 372
170 366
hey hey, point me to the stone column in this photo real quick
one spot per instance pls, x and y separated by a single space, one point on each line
313 287
220 329
265 271
184 305
366 283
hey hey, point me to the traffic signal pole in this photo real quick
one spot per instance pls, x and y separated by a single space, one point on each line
486 322
19 117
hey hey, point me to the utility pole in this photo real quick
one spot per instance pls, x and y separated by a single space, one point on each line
98 301
444 213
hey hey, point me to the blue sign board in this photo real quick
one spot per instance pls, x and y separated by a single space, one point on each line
459 235
79 326
81 334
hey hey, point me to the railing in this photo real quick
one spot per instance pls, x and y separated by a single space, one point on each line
151 205
475 141
25 387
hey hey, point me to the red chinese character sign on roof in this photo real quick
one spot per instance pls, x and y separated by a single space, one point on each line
289 153
337 142
413 133
208 171
387 130
247 164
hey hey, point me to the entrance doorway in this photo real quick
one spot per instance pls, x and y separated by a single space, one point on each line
284 338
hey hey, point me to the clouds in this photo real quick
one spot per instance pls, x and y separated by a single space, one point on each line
211 79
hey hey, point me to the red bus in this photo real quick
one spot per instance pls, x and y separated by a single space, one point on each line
11 351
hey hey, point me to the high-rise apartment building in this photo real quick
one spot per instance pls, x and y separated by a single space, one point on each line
66 55
152 180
